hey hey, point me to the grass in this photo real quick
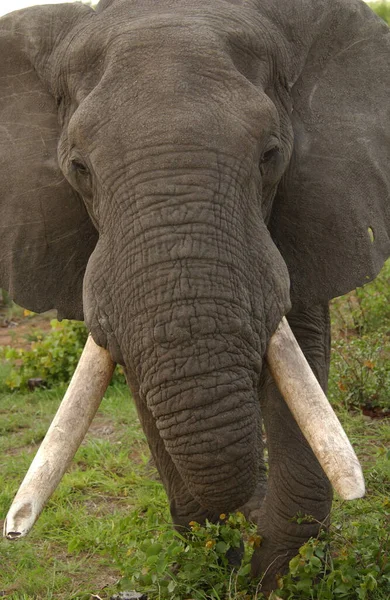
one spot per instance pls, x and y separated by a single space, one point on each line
107 504
65 556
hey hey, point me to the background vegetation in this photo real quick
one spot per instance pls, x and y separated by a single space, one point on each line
382 9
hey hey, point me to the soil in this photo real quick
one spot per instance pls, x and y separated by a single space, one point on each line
375 412
18 327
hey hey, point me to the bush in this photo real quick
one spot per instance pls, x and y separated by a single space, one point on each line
52 358
360 369
335 566
361 373
348 562
171 566
382 9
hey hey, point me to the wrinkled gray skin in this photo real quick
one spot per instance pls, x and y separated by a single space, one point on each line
167 169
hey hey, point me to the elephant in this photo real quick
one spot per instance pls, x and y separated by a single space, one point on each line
184 175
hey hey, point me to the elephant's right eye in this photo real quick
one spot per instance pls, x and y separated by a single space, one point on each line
269 155
79 167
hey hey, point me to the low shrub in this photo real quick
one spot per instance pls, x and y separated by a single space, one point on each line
348 565
361 373
360 368
365 310
169 565
382 9
350 561
52 358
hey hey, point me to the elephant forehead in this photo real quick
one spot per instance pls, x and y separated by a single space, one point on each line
158 88
144 38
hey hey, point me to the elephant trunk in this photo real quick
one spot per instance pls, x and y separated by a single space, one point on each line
207 416
193 324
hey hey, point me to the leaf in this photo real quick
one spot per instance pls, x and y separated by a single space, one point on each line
369 364
341 386
153 549
221 547
294 564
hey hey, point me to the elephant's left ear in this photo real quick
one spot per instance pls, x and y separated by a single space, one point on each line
331 218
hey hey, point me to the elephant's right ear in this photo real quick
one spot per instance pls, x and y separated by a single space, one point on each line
46 236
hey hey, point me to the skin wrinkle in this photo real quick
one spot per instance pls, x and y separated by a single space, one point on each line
192 211
166 412
203 445
162 177
245 354
174 406
288 503
205 262
208 442
148 372
156 153
298 488
161 351
143 239
177 416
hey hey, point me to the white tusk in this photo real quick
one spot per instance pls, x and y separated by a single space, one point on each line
313 413
65 434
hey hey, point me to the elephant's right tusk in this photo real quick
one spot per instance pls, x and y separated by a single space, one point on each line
313 413
65 434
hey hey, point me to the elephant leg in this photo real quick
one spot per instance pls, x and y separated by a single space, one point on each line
297 484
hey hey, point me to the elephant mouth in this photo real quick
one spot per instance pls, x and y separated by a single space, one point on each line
291 372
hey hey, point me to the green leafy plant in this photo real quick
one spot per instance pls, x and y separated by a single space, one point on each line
336 566
365 310
360 370
172 565
350 561
52 357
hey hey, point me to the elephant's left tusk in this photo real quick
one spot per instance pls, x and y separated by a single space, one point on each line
65 434
313 413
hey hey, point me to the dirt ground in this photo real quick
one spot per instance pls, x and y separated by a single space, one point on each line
18 327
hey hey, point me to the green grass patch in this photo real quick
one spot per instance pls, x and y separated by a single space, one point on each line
107 526
360 373
65 556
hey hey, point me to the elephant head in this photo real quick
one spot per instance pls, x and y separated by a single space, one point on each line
179 174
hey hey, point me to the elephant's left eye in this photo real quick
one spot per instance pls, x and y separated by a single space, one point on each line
79 167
